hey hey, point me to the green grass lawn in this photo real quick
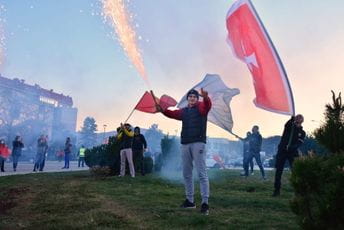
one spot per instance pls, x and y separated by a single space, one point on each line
78 200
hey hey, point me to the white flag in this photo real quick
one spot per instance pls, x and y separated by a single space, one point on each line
221 96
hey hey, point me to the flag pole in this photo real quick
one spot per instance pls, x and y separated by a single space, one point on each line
154 99
131 113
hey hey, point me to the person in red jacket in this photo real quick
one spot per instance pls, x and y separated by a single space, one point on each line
193 140
4 154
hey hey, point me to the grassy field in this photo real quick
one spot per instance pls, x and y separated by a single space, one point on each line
78 200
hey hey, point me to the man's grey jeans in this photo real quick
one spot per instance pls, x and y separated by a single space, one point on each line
195 152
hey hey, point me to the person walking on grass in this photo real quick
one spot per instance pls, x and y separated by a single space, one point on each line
17 146
193 140
255 147
246 152
139 147
67 152
4 154
125 136
292 138
81 156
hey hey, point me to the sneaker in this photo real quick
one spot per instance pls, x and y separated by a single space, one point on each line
252 173
188 204
205 209
276 193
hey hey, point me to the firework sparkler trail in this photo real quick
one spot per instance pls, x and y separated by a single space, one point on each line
116 14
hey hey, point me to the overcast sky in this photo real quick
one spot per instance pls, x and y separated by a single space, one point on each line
66 46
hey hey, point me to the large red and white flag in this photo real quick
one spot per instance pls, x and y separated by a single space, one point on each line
251 43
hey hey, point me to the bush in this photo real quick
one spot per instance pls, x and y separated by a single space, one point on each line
331 132
105 156
319 191
148 164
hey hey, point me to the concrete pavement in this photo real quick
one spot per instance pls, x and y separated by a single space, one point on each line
50 166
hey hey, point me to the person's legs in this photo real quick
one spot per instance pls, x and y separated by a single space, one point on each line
79 161
15 162
140 162
41 166
199 156
246 163
82 161
2 164
187 172
280 161
65 160
259 163
251 165
123 156
129 155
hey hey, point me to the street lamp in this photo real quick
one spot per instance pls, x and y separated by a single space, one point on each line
104 126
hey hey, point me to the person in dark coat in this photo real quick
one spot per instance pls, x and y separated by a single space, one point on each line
292 138
139 147
42 147
255 141
246 151
67 152
193 139
17 146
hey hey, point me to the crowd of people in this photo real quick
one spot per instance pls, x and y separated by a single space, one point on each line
41 153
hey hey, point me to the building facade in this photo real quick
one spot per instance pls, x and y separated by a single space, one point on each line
30 111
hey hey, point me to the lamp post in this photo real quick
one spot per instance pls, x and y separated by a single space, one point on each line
104 126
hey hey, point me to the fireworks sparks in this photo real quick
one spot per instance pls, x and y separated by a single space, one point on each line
117 15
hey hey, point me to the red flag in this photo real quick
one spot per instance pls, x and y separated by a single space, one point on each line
147 103
167 101
251 43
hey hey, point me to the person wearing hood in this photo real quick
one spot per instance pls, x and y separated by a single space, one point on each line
139 147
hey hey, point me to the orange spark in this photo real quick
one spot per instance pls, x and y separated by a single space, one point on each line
116 14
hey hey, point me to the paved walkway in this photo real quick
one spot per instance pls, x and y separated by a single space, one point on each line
50 166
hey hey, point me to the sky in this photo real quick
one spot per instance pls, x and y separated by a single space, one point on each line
65 45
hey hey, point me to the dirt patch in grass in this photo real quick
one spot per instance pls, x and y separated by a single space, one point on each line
10 198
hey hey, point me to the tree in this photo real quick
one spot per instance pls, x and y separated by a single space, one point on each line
88 132
331 132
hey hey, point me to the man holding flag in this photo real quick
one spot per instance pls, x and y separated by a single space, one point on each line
193 140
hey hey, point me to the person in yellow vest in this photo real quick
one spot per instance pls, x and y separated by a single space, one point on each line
81 155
